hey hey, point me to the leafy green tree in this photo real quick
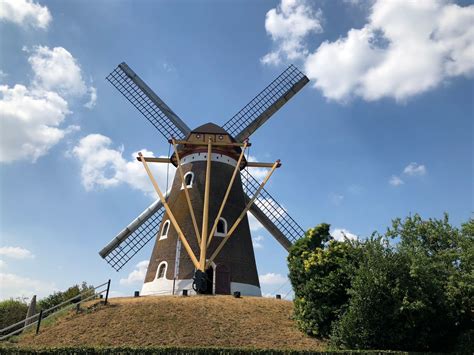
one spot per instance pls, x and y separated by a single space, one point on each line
57 298
411 288
321 270
12 311
378 315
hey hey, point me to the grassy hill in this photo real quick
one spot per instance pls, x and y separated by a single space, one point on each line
199 321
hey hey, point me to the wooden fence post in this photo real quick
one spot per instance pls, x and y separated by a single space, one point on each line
39 322
107 293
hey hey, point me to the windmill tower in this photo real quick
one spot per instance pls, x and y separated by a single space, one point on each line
203 241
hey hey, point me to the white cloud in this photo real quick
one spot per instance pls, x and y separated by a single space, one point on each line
103 166
93 98
3 75
2 264
406 48
25 13
395 181
288 24
272 279
137 275
30 121
16 252
114 294
57 70
32 117
340 234
14 286
414 169
257 241
254 224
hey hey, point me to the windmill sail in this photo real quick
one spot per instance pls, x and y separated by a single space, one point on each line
147 102
266 103
271 214
134 237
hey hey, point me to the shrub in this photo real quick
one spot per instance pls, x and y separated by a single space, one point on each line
58 297
11 312
409 289
321 270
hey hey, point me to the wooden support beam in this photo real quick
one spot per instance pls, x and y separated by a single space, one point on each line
254 164
155 160
239 219
186 192
170 214
214 144
224 201
205 214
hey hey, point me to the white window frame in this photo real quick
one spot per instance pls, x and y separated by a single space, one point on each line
218 234
165 235
165 263
189 186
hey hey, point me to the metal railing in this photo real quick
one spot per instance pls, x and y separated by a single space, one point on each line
44 314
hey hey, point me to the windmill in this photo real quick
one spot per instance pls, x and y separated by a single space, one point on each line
205 211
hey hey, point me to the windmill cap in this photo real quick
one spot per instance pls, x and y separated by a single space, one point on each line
210 128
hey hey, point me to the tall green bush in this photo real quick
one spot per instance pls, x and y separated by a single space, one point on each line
321 270
12 311
411 288
60 296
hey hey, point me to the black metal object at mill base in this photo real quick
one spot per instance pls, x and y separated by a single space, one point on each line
200 282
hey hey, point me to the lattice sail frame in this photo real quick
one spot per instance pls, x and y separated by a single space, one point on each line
276 213
266 103
147 102
146 229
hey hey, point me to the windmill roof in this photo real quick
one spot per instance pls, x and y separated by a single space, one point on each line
210 128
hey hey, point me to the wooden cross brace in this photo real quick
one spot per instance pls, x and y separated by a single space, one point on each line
204 239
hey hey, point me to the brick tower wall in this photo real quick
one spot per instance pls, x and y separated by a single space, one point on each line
237 254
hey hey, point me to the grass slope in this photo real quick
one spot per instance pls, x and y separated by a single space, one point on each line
203 321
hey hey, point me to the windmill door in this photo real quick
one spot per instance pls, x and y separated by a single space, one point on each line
222 279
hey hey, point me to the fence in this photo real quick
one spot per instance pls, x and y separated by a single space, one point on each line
69 303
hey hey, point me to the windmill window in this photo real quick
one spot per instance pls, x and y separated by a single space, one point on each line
165 229
161 272
188 180
221 230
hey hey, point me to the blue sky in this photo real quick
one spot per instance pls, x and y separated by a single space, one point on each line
383 129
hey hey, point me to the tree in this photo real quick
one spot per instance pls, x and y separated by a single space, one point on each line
57 298
411 288
11 312
321 270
